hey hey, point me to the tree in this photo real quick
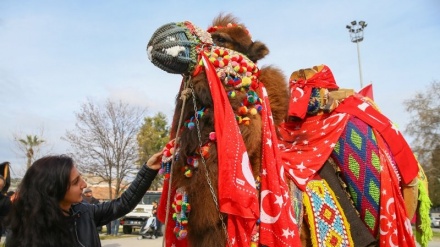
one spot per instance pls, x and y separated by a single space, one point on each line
104 141
424 126
30 145
152 137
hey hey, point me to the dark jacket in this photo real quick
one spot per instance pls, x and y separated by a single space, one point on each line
86 217
91 200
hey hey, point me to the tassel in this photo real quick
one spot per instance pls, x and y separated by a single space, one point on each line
424 231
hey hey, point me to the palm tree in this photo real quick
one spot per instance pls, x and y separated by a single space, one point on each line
29 144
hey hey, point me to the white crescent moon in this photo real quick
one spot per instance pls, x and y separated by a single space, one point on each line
264 217
246 169
282 173
297 179
340 117
391 200
380 228
300 91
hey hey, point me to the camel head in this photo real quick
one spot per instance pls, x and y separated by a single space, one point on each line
227 32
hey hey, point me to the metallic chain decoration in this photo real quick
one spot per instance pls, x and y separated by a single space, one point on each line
208 179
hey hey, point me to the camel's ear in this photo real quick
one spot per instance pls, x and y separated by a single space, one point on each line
257 51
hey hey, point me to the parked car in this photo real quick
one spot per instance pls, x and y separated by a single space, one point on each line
141 213
435 222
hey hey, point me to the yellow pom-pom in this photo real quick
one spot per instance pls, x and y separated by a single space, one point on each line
246 81
253 111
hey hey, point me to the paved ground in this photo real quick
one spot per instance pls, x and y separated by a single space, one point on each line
132 242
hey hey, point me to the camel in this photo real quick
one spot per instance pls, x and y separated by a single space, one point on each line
237 124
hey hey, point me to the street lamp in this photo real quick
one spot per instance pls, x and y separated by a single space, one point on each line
356 30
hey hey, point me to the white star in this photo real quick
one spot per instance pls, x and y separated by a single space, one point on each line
389 224
318 155
301 166
305 142
394 216
326 141
286 233
315 148
294 99
269 142
286 195
292 233
332 145
323 133
279 200
384 192
264 173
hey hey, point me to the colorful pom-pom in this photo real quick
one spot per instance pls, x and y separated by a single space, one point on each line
253 111
246 121
212 136
243 110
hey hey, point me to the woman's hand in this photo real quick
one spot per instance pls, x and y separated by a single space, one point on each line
154 161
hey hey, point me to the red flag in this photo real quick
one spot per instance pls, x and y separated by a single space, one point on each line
236 185
277 224
367 91
395 227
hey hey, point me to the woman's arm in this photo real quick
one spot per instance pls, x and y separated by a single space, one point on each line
108 211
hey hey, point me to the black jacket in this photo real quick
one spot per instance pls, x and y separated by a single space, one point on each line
86 217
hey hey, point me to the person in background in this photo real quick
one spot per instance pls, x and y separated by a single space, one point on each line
88 198
115 227
49 212
158 231
5 204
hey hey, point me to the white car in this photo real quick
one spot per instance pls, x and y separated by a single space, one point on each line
435 222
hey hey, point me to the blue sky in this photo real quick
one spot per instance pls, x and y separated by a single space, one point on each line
54 55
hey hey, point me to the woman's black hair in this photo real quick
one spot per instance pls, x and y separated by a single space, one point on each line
36 218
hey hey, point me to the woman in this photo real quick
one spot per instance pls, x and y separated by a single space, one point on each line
48 211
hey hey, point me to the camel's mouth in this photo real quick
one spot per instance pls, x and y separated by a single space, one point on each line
172 47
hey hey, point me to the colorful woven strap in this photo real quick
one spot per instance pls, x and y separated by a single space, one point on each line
328 225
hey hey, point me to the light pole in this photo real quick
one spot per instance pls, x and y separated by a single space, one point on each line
356 30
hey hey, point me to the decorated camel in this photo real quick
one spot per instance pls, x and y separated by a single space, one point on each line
258 160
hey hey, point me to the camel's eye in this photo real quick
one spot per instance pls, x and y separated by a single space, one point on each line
219 40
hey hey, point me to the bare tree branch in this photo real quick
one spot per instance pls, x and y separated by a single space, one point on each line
104 140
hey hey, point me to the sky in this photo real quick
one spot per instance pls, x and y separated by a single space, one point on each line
56 55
